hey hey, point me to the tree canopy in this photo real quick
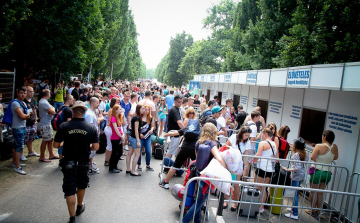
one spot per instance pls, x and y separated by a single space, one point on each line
69 36
266 34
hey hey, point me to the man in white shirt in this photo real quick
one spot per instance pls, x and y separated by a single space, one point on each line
91 118
221 125
133 100
255 117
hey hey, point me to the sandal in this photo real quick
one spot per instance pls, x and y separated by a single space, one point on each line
106 163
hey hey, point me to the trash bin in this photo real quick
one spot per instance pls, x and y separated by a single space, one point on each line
276 199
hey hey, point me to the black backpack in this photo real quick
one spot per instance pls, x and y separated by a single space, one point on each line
159 152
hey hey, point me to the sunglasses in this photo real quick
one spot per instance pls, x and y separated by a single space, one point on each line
191 113
247 131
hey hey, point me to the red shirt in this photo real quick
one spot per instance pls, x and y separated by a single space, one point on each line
111 96
136 89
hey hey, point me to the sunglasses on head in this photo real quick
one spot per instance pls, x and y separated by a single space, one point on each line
247 131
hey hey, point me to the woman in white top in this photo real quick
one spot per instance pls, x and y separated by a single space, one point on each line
265 167
324 153
241 142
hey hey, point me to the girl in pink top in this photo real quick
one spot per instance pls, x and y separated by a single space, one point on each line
116 116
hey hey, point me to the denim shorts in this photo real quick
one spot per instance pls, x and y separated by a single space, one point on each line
19 136
132 142
163 119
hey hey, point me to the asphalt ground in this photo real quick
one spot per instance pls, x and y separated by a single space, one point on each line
111 197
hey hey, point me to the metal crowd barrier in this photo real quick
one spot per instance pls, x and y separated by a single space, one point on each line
353 205
251 201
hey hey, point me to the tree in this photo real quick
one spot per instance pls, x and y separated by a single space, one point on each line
150 73
178 46
323 32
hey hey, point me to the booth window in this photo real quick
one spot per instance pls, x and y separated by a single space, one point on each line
236 101
220 96
312 125
264 108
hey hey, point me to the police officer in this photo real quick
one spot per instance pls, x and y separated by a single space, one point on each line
78 138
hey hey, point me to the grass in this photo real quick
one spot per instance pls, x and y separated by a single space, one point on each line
9 177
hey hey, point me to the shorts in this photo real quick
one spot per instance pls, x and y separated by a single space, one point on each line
19 136
163 119
30 135
182 156
320 177
263 174
173 146
92 154
132 142
76 178
60 150
108 133
46 132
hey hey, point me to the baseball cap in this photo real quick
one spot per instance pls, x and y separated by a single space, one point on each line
78 104
215 109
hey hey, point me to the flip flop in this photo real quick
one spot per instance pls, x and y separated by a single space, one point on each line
54 158
45 161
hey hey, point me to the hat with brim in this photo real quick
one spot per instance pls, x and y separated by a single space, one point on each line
215 109
79 104
299 143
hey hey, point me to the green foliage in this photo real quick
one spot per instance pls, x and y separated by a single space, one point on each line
150 73
69 36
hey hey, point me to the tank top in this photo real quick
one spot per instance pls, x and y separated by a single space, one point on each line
327 158
266 164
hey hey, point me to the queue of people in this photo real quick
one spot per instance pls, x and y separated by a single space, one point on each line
127 114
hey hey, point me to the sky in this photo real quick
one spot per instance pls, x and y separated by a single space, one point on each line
159 20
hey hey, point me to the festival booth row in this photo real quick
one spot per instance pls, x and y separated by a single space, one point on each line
309 99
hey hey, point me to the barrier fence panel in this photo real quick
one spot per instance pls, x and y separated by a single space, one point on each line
7 86
252 199
353 205
337 177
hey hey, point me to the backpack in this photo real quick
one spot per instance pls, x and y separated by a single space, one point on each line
7 119
159 152
58 119
202 157
283 148
192 130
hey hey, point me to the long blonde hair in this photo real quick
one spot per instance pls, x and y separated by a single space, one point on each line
148 118
119 118
208 132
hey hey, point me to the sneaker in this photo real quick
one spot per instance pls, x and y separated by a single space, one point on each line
126 147
93 171
164 184
149 168
139 168
114 171
80 209
290 215
261 210
289 209
22 157
72 220
33 154
20 171
93 165
21 164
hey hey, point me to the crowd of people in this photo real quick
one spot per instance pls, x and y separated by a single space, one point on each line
123 115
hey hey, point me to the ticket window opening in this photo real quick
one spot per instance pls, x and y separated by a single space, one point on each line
264 108
312 125
219 97
236 101
207 96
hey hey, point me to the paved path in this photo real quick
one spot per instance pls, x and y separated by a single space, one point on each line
110 198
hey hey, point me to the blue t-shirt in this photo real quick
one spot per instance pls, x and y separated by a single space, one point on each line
126 107
169 100
166 91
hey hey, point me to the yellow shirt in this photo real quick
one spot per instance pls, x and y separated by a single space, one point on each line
59 97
